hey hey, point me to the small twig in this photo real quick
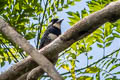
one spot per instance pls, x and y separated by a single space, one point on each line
94 62
9 51
40 27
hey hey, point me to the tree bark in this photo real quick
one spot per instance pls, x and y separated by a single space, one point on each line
38 71
78 31
45 64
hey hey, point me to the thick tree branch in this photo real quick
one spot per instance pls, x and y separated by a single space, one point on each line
35 73
38 71
77 32
46 65
24 76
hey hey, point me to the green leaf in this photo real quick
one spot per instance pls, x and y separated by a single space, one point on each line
9 60
65 66
2 64
98 76
26 1
108 44
114 67
109 39
116 35
52 8
73 56
84 78
104 63
95 5
72 70
74 17
89 48
117 53
74 46
118 27
62 2
17 6
113 78
99 45
92 69
107 29
98 39
77 0
90 40
109 63
117 72
71 3
70 13
91 57
60 9
84 13
98 31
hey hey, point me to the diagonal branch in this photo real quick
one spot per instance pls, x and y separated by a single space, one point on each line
46 65
77 32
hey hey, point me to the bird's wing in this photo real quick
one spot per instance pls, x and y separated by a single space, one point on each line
44 40
41 43
50 34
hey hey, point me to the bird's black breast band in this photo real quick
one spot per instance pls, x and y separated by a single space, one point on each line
55 31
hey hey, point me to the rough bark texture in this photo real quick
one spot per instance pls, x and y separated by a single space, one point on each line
24 76
78 31
38 71
34 74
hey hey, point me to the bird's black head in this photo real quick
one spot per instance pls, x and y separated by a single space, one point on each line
54 20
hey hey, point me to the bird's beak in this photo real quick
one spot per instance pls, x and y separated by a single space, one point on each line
60 21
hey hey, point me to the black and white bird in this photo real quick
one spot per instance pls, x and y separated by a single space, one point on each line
52 32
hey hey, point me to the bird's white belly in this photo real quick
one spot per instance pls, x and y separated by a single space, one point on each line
52 36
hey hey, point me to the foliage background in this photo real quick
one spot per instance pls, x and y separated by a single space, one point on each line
95 57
